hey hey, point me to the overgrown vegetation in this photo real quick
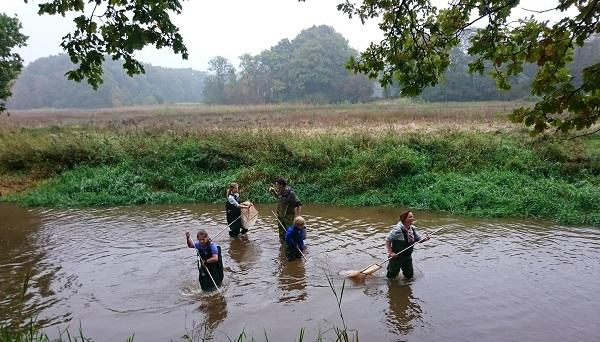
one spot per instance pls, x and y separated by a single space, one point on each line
476 173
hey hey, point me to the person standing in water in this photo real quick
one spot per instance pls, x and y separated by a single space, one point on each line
288 204
233 210
403 235
294 239
210 263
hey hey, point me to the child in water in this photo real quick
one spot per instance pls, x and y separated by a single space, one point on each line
233 210
294 239
210 263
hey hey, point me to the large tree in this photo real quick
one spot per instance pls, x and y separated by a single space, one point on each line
220 81
10 62
117 28
418 38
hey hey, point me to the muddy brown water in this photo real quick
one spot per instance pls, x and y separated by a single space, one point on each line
124 270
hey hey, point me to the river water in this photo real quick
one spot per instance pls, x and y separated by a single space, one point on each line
125 270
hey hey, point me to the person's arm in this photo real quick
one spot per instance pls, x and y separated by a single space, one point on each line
189 241
388 245
297 205
235 203
417 235
215 254
273 192
301 241
419 239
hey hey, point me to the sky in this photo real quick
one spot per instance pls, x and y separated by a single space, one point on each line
210 28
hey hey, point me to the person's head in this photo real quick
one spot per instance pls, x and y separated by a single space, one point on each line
233 188
299 222
203 236
281 183
407 218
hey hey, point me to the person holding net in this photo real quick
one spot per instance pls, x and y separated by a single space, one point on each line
401 239
288 204
210 263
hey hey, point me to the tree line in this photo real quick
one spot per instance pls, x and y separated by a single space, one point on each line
308 68
458 84
414 53
42 84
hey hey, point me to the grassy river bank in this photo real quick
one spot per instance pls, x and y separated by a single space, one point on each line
495 173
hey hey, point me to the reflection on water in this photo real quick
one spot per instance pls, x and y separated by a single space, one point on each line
128 268
404 310
214 308
242 251
291 278
26 277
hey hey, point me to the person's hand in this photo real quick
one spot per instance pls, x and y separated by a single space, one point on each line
392 254
427 237
271 189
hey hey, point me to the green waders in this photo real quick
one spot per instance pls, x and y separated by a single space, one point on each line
402 261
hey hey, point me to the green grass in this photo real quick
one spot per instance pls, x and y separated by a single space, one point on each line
476 173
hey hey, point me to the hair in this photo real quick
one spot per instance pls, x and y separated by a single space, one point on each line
231 187
201 232
299 220
404 215
281 180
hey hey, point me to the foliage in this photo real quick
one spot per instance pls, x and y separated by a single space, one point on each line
310 68
474 173
10 62
418 38
457 84
115 28
42 84
220 81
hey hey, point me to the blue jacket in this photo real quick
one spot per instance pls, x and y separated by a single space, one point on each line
295 237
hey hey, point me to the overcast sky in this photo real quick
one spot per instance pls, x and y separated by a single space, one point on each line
228 28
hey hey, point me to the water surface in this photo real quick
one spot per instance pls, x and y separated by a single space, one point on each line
119 271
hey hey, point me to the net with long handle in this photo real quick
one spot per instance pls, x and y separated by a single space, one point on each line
249 216
372 268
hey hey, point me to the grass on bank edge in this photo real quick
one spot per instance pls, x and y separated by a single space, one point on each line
473 173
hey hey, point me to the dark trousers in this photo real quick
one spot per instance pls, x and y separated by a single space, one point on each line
233 215
292 252
403 262
216 272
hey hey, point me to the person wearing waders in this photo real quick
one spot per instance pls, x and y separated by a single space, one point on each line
210 265
233 210
400 237
294 239
288 204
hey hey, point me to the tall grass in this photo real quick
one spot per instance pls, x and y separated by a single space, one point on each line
476 173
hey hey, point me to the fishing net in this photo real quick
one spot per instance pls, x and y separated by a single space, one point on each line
370 269
249 216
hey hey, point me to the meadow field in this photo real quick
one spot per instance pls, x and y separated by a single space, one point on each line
456 157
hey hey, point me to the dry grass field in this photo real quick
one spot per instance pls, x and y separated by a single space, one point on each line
396 115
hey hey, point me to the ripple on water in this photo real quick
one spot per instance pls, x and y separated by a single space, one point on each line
476 279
